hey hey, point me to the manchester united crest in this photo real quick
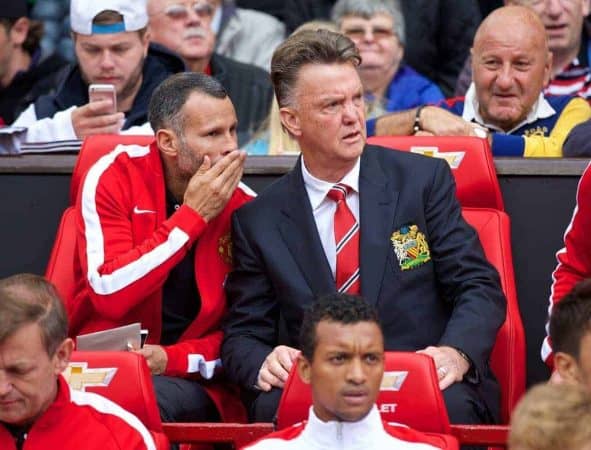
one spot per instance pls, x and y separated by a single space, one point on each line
225 248
410 247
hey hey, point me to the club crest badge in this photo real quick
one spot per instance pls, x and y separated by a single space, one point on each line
410 247
225 248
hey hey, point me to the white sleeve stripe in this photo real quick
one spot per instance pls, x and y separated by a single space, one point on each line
106 406
246 189
197 363
128 274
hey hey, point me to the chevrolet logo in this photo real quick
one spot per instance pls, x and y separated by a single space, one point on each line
79 376
454 159
392 381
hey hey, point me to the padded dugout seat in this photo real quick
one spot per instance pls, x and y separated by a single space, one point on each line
122 377
470 159
409 395
508 354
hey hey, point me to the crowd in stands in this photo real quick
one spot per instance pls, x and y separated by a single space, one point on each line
356 251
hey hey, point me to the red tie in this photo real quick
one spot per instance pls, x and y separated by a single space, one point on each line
346 236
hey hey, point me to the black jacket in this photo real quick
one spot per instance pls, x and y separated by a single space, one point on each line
159 64
250 90
42 78
439 35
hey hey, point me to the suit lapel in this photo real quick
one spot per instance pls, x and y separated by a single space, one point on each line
300 234
377 205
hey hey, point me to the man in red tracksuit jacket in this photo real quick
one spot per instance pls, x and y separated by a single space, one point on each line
154 246
37 408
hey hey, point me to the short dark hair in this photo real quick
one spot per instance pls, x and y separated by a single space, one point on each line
168 99
570 320
342 308
26 299
308 47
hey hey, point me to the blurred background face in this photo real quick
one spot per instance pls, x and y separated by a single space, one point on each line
563 21
116 58
346 371
6 50
380 49
28 375
183 27
509 71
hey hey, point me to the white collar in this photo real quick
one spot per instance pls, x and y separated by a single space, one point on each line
540 110
317 188
351 434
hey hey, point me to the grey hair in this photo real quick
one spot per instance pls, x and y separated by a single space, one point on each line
369 8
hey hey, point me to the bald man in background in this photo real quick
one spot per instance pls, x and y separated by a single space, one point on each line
506 97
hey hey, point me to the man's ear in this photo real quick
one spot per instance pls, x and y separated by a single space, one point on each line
167 142
290 120
548 69
146 41
567 367
62 355
19 31
304 368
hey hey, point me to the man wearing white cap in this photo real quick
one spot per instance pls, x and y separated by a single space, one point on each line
112 47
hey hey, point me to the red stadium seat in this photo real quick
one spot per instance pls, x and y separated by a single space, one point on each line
122 377
508 355
471 161
61 260
409 395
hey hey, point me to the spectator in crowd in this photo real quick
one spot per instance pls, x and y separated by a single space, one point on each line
438 41
574 259
186 30
377 29
342 360
568 40
510 70
25 71
551 417
272 138
293 13
246 35
112 47
37 408
414 243
578 141
56 22
154 246
570 335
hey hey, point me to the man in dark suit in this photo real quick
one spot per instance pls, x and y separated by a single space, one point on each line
397 237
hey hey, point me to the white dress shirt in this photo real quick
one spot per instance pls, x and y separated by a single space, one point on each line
324 208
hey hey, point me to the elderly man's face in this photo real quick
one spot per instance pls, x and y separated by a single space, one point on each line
346 371
113 58
28 375
327 118
183 26
563 21
509 70
380 49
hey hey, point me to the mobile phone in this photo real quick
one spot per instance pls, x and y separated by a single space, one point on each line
98 92
143 336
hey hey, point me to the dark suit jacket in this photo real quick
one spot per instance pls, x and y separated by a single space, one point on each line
454 299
